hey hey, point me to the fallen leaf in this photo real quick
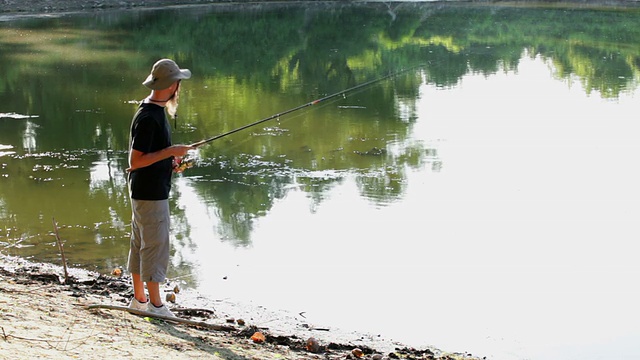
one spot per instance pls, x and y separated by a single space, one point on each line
258 337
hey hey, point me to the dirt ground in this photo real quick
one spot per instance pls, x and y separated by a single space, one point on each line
42 315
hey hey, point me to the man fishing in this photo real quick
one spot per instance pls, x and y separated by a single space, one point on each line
152 160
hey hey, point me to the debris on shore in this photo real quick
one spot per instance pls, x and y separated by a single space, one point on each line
38 307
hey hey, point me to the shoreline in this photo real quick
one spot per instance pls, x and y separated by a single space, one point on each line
41 316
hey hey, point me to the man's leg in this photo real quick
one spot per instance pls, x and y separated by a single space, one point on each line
154 293
155 252
138 288
134 256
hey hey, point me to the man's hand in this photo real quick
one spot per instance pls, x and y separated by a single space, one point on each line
179 150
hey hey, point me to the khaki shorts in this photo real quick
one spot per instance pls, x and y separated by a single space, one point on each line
149 252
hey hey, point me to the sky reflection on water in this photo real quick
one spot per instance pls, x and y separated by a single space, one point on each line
517 248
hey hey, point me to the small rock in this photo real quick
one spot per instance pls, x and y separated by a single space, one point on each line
313 345
171 297
357 353
240 322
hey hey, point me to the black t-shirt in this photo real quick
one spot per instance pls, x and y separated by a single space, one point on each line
150 132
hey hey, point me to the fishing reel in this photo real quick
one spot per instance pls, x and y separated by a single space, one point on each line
186 162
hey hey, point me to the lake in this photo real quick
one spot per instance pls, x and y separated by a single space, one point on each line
478 194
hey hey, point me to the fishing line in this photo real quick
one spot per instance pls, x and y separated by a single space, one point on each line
287 119
186 164
299 107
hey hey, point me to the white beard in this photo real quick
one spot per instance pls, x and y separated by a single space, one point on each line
172 105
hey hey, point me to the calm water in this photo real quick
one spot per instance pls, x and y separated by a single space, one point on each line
484 199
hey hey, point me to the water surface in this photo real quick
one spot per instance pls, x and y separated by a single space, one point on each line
482 199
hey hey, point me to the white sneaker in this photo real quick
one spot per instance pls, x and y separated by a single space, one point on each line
162 310
137 305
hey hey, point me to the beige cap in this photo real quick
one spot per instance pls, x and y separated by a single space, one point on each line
164 73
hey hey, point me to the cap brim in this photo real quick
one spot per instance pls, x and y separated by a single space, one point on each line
160 84
184 74
148 82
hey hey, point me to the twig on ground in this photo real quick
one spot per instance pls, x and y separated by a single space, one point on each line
7 336
167 318
64 260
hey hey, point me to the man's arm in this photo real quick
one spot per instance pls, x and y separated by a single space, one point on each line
139 159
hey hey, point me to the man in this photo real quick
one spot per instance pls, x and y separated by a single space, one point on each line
152 159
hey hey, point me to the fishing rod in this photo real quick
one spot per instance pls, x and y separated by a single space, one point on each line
187 163
299 107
